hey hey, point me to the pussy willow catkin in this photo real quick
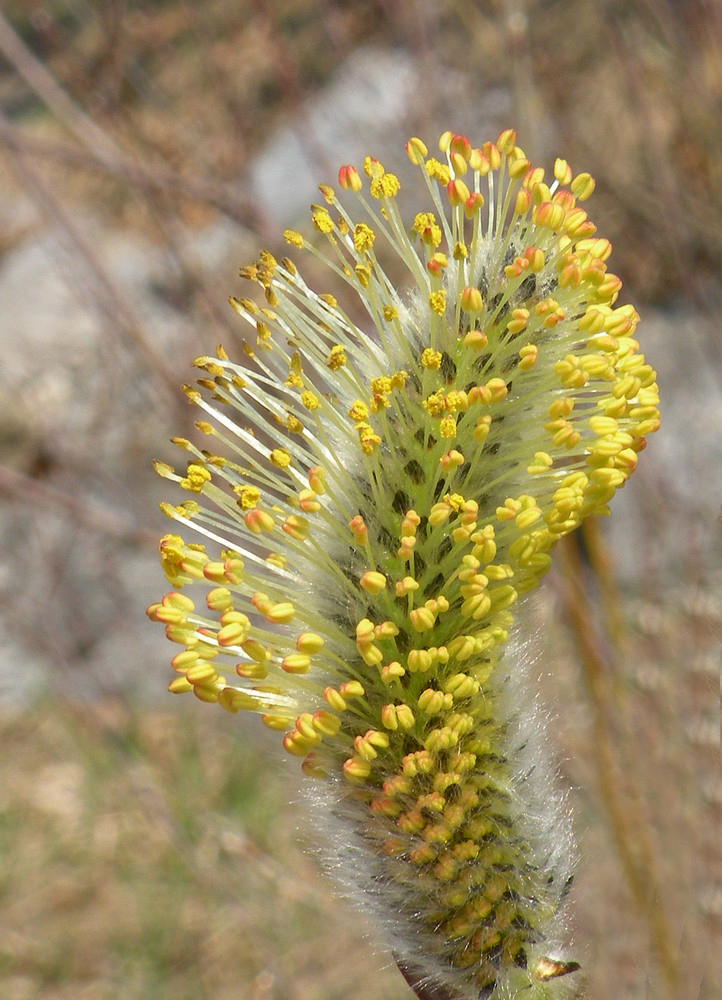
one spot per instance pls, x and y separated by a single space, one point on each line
383 481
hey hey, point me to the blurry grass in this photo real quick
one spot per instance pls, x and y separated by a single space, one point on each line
154 855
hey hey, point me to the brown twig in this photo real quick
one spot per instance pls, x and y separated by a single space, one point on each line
110 299
89 514
626 825
158 178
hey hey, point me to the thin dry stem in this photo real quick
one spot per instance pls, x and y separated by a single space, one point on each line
626 824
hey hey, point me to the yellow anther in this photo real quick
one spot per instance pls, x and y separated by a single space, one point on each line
373 582
202 673
233 633
351 689
518 321
476 340
457 192
349 179
326 723
275 721
296 663
422 619
406 586
437 263
425 226
522 202
458 164
391 672
368 439
359 530
309 643
334 700
307 501
542 463
410 523
179 685
451 460
370 653
583 185
528 355
437 302
457 401
416 150
506 141
295 526
258 521
481 429
317 479
356 769
433 702
439 171
386 630
562 171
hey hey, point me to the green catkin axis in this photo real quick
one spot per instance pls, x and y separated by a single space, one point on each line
365 593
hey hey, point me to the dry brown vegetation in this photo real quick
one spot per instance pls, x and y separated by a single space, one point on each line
146 850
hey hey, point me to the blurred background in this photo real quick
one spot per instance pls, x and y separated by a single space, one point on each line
147 149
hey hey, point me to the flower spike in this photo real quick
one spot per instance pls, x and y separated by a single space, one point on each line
379 499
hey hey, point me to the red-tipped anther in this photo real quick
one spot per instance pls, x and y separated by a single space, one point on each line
473 204
348 178
458 192
461 145
416 151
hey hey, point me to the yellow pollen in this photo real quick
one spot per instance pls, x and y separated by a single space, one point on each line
248 497
381 385
281 458
438 171
337 358
435 404
359 412
386 186
322 220
195 478
431 359
368 438
447 427
310 400
363 237
292 237
425 226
